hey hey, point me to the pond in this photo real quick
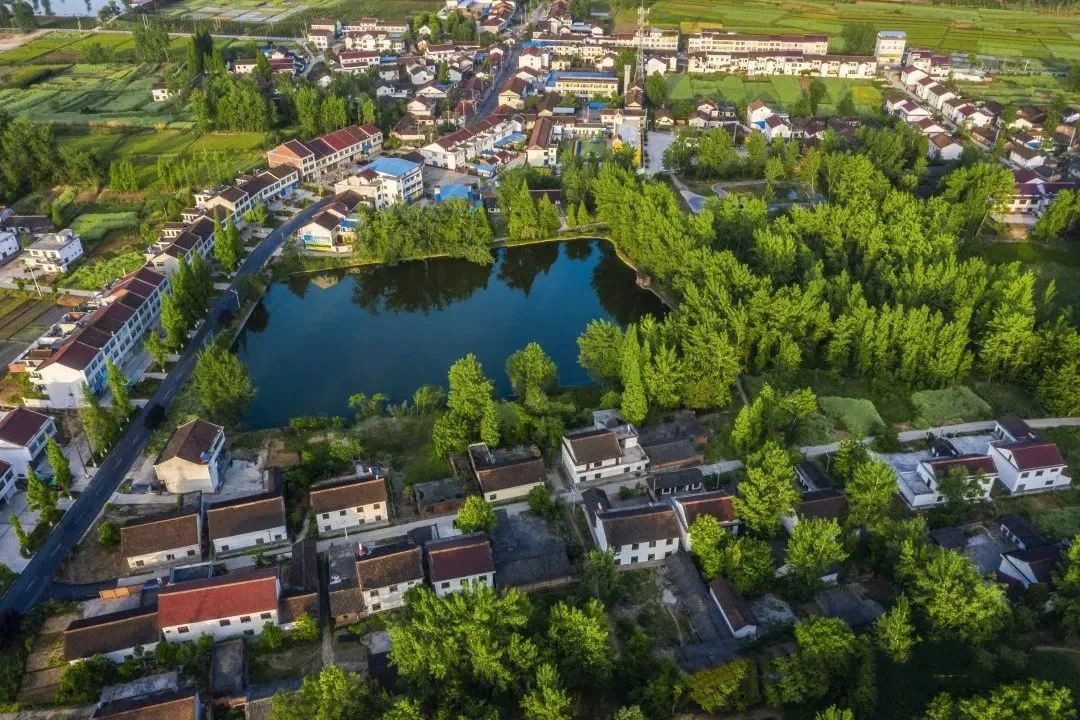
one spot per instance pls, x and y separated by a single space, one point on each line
317 339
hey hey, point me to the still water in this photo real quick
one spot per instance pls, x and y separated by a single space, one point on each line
317 339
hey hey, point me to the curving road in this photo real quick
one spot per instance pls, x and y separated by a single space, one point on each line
35 580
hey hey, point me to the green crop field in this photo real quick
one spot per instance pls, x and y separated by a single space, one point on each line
1019 89
83 94
780 92
1012 33
280 17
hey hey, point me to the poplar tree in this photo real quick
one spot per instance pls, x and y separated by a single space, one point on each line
634 406
61 467
118 385
101 428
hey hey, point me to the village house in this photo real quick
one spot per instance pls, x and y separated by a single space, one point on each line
583 83
674 482
638 534
719 503
162 539
193 459
9 246
222 607
358 61
889 47
335 227
932 471
114 636
348 503
944 147
73 352
385 573
160 92
321 39
183 704
318 156
722 41
541 151
23 434
737 614
1025 157
54 253
1026 466
455 563
1018 531
456 150
384 182
826 503
1029 566
608 449
175 247
508 473
254 521
7 481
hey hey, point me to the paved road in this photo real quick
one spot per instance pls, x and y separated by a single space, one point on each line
35 580
508 66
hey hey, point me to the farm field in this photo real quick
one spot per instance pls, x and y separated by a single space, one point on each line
1018 90
1012 33
280 17
66 47
780 91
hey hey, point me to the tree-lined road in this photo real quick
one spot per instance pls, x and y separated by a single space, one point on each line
34 581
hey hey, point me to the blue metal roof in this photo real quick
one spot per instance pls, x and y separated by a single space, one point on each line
391 166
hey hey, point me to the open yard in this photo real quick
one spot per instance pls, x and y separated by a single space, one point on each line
1008 33
780 92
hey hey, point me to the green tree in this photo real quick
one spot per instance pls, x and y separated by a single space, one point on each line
959 487
471 638
82 682
834 713
173 322
228 247
532 375
850 455
723 688
870 491
579 640
1027 700
20 533
222 383
61 468
272 637
1066 597
748 563
631 712
814 546
405 709
756 150
40 497
547 218
306 629
156 347
118 385
600 576
100 425
705 536
108 535
122 176
859 38
656 90
950 592
470 409
546 700
600 350
894 632
634 406
768 490
476 514
333 694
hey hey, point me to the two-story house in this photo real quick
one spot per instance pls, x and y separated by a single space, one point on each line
182 704
54 253
603 452
506 474
7 481
635 534
193 459
348 503
162 539
114 636
254 521
23 434
222 607
386 572
720 504
1026 466
456 563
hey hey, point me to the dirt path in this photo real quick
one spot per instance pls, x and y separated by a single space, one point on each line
8 42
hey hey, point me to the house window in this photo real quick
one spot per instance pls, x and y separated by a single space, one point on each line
245 619
1050 481
191 553
277 536
633 559
378 518
249 631
376 607
652 556
445 585
1020 487
1038 473
1024 474
259 541
326 528
325 516
393 588
494 496
374 593
265 616
634 546
225 623
377 506
341 513
626 469
224 548
182 629
139 563
596 476
671 541
170 556
652 543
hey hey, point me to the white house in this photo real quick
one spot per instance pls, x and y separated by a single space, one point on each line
114 636
943 146
385 181
357 61
639 534
385 573
1024 157
54 253
352 502
737 615
1029 566
9 246
757 111
1025 466
931 471
258 520
603 452
688 508
889 47
23 434
506 473
193 459
909 75
222 607
455 563
162 539
159 91
7 481
774 127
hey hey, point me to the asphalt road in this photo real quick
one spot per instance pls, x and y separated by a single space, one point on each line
33 583
508 66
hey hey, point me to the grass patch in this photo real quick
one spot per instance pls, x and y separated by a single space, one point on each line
857 415
1059 523
93 227
814 429
95 274
1068 442
780 92
1008 399
957 404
